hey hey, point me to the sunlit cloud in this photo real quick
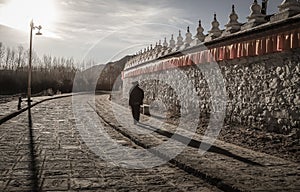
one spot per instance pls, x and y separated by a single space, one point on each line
17 14
100 29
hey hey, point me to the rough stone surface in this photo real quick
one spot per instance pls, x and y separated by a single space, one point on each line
231 165
65 163
262 92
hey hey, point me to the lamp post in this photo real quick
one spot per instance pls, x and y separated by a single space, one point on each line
32 27
33 167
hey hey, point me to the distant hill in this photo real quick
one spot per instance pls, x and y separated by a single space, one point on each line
102 77
110 76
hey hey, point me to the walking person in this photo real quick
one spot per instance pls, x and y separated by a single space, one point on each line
136 97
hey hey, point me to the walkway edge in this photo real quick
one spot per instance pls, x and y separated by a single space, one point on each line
16 113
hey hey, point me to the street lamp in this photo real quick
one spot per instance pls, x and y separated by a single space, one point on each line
32 27
35 183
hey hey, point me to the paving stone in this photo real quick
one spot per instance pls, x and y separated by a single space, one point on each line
65 163
55 184
232 165
85 183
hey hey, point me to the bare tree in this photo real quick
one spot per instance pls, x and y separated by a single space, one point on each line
48 71
20 57
36 62
2 54
47 60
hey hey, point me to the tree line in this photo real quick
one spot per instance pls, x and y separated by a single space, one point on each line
48 72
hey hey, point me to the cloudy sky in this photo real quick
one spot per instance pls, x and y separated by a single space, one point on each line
105 30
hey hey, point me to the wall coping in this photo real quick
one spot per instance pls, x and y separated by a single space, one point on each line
263 30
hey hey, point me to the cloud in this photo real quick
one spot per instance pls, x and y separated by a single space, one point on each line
100 15
100 29
103 28
116 24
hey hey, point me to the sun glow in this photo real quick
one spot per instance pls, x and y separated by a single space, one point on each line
18 14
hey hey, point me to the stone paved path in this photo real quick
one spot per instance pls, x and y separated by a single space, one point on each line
12 106
225 164
65 163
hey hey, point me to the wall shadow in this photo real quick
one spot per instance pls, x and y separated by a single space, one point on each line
198 144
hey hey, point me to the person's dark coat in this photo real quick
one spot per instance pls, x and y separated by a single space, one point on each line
136 96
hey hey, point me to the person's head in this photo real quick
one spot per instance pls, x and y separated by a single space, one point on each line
135 83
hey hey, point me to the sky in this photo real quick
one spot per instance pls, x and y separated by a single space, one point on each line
106 30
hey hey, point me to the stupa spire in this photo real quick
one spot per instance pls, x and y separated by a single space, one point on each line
200 35
188 37
255 18
172 42
215 31
179 40
233 25
165 44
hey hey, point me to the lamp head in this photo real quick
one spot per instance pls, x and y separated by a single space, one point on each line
39 33
39 28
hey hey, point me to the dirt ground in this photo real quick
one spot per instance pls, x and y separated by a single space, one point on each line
280 145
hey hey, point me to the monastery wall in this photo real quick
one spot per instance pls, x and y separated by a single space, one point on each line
250 73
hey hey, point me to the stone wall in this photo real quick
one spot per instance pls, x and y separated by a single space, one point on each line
250 71
264 91
261 92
